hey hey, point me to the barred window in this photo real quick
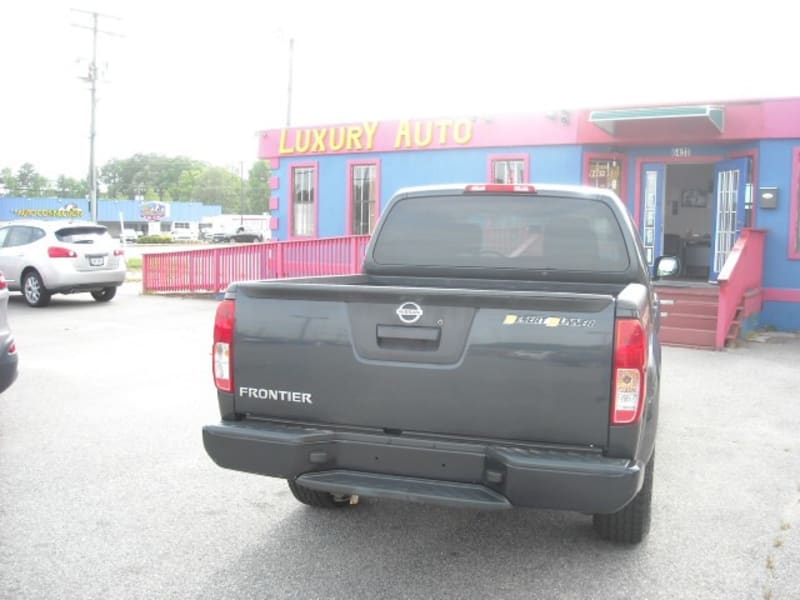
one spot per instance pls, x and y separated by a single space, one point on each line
303 202
363 196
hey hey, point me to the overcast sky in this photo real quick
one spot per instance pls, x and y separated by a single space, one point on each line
201 79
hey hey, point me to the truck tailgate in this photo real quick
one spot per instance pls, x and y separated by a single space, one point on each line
526 366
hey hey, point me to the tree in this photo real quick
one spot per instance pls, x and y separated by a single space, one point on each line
258 191
67 187
217 185
9 183
149 175
30 183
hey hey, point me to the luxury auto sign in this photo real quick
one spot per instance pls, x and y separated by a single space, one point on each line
374 135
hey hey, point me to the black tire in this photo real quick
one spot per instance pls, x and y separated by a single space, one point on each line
33 290
105 294
317 499
630 524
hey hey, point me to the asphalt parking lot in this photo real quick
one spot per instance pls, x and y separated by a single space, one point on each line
106 491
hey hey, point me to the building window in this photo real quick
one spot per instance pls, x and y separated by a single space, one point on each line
363 197
508 169
304 201
605 173
794 223
650 205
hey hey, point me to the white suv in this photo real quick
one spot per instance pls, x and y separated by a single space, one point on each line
41 258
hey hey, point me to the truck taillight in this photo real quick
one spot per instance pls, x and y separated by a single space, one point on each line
630 372
3 282
503 188
59 252
223 346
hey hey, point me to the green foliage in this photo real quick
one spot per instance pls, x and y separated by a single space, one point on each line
155 239
258 191
154 177
67 187
134 263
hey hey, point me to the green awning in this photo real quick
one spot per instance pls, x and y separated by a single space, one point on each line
634 121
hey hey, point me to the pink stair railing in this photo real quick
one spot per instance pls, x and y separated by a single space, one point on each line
740 282
211 270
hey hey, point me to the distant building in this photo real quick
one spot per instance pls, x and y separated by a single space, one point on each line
693 176
145 216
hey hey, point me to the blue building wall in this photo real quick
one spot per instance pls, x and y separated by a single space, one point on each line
552 164
780 271
560 164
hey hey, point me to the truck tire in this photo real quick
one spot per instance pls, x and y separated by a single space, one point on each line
630 524
317 499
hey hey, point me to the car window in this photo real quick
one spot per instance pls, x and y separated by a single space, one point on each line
3 234
18 236
36 234
83 234
514 232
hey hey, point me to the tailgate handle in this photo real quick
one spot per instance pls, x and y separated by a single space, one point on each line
411 334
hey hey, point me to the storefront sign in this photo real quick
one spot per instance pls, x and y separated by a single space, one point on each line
405 135
154 211
67 211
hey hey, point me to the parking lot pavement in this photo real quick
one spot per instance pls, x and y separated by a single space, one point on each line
106 491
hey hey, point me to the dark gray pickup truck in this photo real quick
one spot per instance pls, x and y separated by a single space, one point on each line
499 350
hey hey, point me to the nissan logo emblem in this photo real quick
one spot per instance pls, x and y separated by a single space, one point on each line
409 313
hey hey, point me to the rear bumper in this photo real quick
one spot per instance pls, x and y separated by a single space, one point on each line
58 280
395 466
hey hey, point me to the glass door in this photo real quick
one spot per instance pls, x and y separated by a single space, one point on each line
730 179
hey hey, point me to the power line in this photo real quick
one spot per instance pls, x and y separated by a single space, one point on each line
91 78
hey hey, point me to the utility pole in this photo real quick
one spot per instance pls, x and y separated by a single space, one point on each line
91 78
289 91
241 191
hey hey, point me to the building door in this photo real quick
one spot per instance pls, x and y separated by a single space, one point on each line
730 183
652 226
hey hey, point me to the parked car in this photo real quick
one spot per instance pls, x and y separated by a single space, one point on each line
129 236
8 349
42 258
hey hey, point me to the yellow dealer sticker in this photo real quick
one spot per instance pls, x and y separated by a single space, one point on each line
549 321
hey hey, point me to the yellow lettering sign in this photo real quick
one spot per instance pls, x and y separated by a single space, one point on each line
462 132
302 141
283 148
336 144
371 128
354 138
403 137
443 128
422 139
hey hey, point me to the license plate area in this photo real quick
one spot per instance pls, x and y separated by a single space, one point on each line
96 261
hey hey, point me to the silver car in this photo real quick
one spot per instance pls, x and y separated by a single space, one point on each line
42 258
8 349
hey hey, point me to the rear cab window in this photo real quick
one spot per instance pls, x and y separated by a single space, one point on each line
525 232
82 234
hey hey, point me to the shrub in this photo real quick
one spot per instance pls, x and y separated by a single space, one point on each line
155 239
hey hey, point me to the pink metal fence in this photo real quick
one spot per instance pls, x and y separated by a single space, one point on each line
740 281
211 270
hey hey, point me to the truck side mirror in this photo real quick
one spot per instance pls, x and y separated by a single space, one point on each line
667 266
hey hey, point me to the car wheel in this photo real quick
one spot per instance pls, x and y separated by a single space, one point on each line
316 498
33 290
630 524
105 294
